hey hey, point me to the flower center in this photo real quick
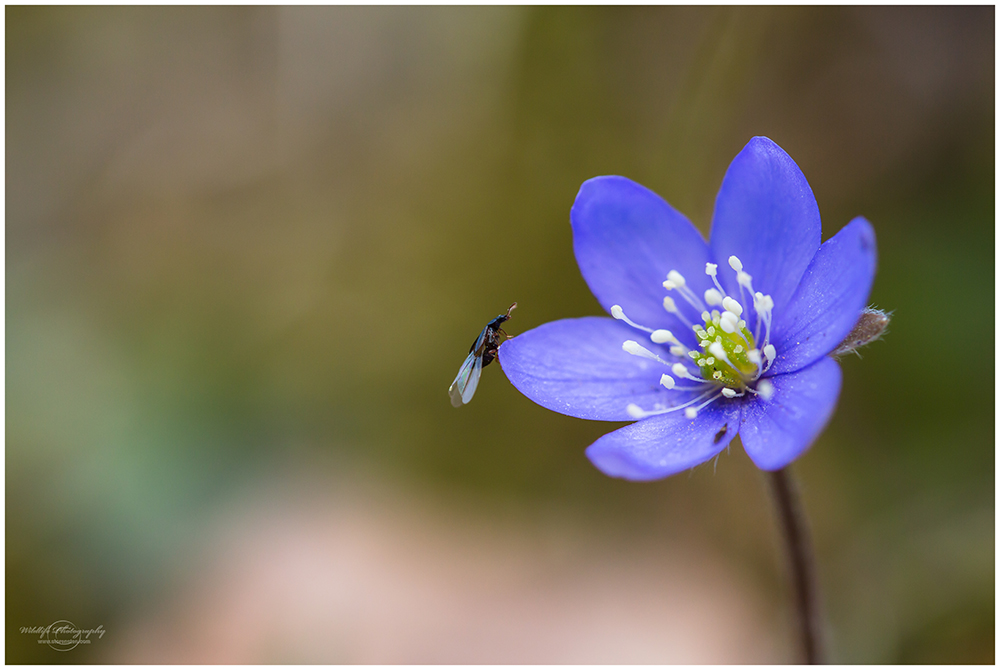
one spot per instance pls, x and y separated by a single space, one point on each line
729 363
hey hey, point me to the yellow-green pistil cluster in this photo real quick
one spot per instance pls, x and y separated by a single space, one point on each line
725 353
729 362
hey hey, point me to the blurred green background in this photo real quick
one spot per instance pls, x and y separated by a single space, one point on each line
247 250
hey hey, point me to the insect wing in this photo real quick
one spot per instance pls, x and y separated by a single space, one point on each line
464 386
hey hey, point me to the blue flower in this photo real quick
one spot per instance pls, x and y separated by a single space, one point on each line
708 340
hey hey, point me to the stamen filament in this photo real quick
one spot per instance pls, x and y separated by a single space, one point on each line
636 349
619 313
637 412
692 412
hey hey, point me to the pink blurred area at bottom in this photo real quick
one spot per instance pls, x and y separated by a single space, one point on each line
305 575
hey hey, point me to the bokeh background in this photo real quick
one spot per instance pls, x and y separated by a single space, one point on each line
247 250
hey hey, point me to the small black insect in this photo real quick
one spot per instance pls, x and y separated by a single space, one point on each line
721 434
481 353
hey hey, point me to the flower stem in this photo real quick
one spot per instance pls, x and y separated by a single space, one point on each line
801 562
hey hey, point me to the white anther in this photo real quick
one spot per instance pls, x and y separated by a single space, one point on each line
678 350
669 304
690 412
709 361
765 389
717 375
636 349
705 316
744 280
717 350
769 352
729 393
713 297
676 277
754 356
729 322
660 336
761 302
702 362
619 313
667 381
635 411
735 263
738 349
669 285
711 269
681 371
732 306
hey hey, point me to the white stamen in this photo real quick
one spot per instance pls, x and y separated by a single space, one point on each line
729 322
636 349
670 305
619 313
667 381
754 356
765 389
735 263
680 371
692 412
770 354
711 269
717 350
678 350
729 393
713 297
660 336
637 412
762 303
732 306
676 277
744 280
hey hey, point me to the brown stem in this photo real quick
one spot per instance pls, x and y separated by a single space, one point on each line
801 562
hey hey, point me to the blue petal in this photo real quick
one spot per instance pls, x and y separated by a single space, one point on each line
577 367
626 239
831 296
776 431
765 215
664 445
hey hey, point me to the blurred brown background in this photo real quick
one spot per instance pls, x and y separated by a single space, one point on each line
247 250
